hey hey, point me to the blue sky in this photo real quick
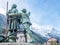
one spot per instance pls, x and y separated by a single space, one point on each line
43 12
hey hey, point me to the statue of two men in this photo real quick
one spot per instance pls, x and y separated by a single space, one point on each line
24 19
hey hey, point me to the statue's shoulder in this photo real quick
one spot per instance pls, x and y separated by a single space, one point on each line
15 14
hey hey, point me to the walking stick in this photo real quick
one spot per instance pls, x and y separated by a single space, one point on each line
6 32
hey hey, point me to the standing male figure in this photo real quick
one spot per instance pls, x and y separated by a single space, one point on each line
26 22
12 21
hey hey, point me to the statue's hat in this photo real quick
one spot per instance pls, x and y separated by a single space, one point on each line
14 6
23 10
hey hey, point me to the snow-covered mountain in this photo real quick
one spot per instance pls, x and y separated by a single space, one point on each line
45 31
2 22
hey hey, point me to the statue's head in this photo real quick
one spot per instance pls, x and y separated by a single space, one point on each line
24 10
14 6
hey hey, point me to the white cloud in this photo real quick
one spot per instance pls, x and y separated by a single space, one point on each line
2 11
35 25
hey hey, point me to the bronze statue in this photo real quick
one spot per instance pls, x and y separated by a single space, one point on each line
12 21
